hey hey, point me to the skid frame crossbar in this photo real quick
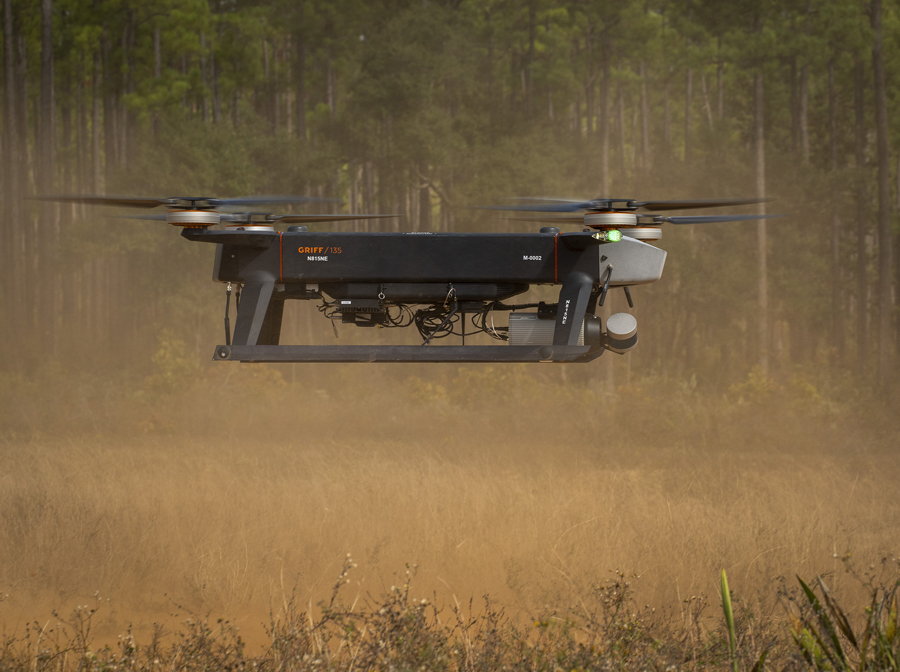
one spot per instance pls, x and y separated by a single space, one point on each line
406 353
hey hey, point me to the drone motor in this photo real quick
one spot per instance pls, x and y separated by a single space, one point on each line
625 222
610 220
620 215
193 219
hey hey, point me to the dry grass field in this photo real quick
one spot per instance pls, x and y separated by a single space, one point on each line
230 508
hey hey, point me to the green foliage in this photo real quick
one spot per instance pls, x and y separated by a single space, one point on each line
826 639
758 388
398 631
729 621
173 370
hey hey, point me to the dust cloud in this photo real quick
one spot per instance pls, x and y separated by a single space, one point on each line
137 476
508 482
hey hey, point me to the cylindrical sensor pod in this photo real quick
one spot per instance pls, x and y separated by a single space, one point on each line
529 329
621 332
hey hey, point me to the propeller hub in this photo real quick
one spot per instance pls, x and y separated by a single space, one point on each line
250 227
193 219
251 221
610 219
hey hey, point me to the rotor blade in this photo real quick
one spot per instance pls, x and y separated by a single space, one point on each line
271 200
559 207
122 201
572 200
540 204
576 219
292 219
547 200
686 205
709 219
160 217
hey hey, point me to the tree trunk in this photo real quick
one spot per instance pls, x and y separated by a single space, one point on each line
66 145
49 226
645 118
424 201
885 298
110 146
635 137
157 52
804 113
81 161
620 127
490 57
763 282
10 132
204 79
795 108
329 82
26 177
129 114
10 116
99 184
157 73
184 69
45 140
862 283
289 113
720 76
588 90
837 313
66 314
604 122
580 129
124 145
688 94
529 80
706 105
301 87
667 119
216 99
353 201
12 270
274 93
368 190
127 124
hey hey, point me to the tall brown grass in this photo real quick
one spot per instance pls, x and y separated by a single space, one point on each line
229 503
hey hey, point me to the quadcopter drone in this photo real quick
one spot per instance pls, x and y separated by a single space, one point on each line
443 283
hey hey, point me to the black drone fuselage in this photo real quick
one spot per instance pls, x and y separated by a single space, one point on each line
463 272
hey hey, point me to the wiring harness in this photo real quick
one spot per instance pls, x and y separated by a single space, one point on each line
432 321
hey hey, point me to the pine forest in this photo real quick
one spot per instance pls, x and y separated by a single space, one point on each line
424 109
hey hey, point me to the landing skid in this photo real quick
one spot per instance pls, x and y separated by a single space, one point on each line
407 353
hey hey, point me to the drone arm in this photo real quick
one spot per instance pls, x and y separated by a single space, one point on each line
259 315
580 240
574 298
237 238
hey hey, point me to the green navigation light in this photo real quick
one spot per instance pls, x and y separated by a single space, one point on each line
614 236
